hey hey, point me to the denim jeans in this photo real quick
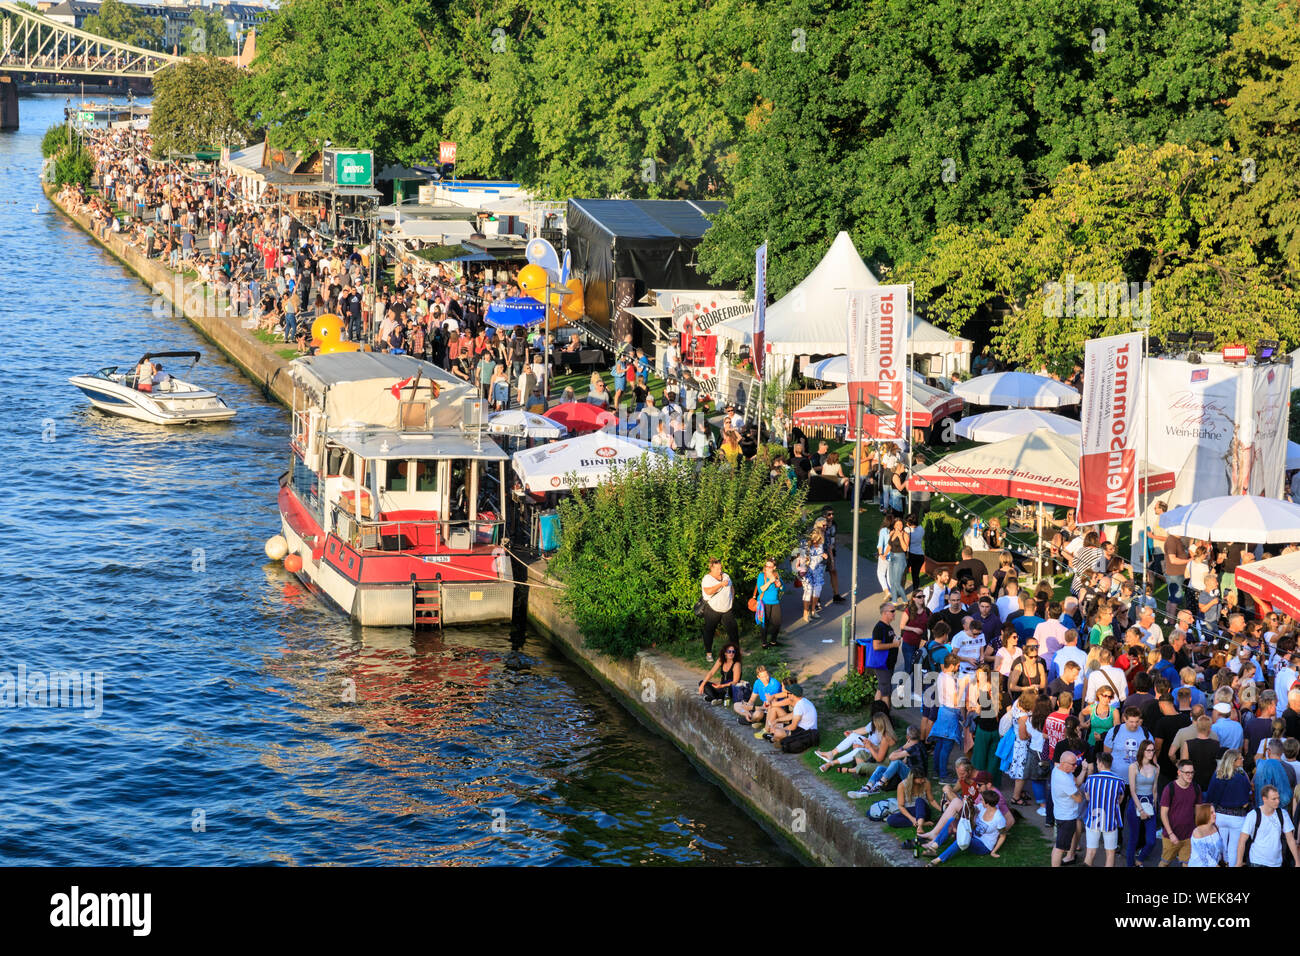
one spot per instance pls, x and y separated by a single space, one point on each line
942 749
1132 827
884 773
1177 582
290 326
976 847
909 658
897 568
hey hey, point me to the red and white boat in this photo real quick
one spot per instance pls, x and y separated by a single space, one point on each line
392 508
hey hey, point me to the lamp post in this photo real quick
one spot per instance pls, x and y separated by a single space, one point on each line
561 291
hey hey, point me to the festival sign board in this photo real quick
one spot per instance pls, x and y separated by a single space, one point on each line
1112 374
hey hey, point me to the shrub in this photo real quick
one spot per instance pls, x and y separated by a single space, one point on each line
632 551
942 536
854 692
73 166
56 137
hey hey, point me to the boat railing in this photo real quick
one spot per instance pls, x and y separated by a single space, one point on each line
402 535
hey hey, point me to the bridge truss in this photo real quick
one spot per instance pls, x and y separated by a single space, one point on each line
31 43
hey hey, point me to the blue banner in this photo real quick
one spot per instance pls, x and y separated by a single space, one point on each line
514 313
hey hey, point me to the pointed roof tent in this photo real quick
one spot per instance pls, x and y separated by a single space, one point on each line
812 318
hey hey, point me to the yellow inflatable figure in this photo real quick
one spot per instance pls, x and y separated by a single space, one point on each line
533 279
327 336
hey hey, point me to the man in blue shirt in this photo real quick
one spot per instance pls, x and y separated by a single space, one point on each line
1166 668
1103 792
1270 772
1226 729
754 710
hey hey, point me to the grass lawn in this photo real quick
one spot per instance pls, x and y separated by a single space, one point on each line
1025 844
269 338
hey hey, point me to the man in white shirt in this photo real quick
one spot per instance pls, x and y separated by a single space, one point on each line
1107 675
1050 635
1286 675
1152 636
1009 603
970 646
1263 828
799 724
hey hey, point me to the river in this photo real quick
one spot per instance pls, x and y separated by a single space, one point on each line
243 722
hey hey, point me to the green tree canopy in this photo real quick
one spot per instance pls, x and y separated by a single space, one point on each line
891 119
126 23
193 106
207 33
1063 274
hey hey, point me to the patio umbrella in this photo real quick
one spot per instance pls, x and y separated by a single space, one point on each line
590 457
836 369
1249 519
929 405
1040 466
996 426
522 424
1276 582
1016 390
581 417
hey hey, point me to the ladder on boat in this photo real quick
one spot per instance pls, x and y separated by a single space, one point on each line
426 604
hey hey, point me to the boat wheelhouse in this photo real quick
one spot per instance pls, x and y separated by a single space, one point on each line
394 506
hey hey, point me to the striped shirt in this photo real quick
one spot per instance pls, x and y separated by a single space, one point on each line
1102 792
1085 559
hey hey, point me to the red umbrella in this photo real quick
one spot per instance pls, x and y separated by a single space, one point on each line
580 418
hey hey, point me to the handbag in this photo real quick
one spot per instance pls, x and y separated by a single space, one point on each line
963 833
700 605
753 605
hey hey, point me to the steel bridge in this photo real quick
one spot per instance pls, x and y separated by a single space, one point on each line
31 43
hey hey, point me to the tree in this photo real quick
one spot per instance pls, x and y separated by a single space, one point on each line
371 74
1264 129
126 23
1065 273
207 33
193 106
893 119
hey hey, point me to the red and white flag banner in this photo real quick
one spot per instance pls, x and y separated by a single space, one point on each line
877 360
1108 462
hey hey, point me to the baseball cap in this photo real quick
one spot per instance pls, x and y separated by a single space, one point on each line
794 688
983 777
1222 707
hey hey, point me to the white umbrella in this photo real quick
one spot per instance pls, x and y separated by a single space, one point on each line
995 426
590 457
836 369
1017 390
522 424
1249 519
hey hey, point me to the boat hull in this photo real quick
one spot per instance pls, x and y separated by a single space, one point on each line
376 589
116 399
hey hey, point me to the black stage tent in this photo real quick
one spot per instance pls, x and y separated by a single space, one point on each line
651 240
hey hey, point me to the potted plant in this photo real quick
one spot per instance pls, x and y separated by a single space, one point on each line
942 542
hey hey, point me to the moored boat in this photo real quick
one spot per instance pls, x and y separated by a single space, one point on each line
392 508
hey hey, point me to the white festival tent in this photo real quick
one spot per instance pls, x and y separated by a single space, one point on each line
812 318
996 426
1249 519
1017 390
590 457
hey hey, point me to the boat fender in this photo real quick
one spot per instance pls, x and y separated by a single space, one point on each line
293 563
276 547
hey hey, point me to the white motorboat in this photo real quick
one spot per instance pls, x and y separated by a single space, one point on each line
164 401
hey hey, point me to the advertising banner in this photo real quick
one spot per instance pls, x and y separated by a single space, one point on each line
877 324
1221 428
694 314
1108 456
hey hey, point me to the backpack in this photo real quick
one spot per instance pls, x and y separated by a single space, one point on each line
882 808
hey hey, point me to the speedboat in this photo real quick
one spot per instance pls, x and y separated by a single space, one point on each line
168 401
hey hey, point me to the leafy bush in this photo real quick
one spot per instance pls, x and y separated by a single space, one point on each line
854 692
942 536
56 137
73 166
632 551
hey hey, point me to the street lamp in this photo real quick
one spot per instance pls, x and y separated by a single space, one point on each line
561 291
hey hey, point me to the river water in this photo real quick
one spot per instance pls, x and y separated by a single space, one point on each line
226 734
